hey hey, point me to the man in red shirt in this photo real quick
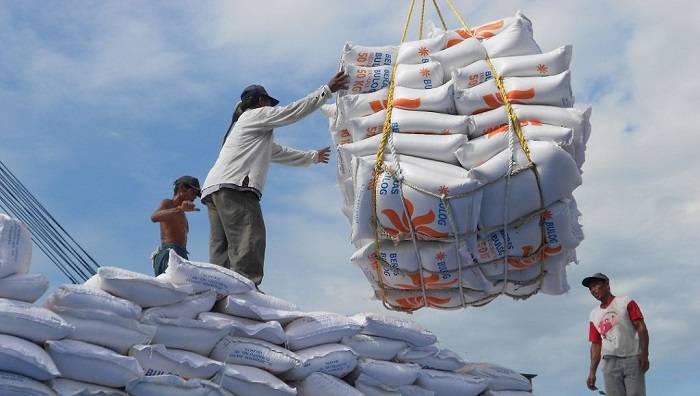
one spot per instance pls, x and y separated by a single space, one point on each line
618 334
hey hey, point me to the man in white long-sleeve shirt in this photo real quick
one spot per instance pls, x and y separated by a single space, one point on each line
234 185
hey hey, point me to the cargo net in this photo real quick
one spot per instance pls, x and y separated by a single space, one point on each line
457 158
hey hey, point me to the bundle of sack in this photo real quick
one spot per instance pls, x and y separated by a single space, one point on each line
200 329
461 213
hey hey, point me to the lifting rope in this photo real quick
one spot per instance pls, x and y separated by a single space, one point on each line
514 131
48 234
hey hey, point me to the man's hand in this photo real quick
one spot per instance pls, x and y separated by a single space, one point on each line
323 155
644 362
339 81
591 382
187 206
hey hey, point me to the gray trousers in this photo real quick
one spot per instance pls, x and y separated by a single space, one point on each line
237 232
623 376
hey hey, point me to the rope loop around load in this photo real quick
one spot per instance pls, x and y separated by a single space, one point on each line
379 162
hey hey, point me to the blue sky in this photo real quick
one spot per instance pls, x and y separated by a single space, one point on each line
104 104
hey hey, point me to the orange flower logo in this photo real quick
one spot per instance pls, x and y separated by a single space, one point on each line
420 223
495 100
441 256
425 72
542 69
422 51
491 132
444 190
418 302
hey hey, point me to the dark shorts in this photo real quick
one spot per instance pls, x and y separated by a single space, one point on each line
161 257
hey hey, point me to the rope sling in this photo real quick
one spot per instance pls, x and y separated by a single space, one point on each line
380 167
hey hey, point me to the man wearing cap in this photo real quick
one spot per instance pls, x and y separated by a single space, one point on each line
618 334
234 185
173 222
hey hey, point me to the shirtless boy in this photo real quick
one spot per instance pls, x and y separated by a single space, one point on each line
173 222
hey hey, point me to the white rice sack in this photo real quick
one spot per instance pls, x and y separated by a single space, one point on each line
188 334
397 329
539 65
26 358
107 329
559 176
445 383
555 282
361 55
372 347
144 290
439 99
459 55
500 378
24 287
551 90
332 359
374 390
258 306
255 353
363 104
82 297
575 119
450 298
173 385
432 358
33 323
400 269
415 52
407 121
426 75
389 374
415 390
524 239
318 328
323 384
204 276
66 387
85 362
159 360
482 32
506 393
190 307
428 214
337 126
12 384
477 151
251 381
367 126
515 40
367 79
433 147
15 246
440 264
271 331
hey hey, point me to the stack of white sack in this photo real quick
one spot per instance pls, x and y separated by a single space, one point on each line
453 229
202 330
15 260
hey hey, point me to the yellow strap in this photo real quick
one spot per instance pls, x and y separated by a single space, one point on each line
442 20
379 163
422 18
513 118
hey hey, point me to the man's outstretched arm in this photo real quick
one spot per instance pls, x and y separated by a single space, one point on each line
166 210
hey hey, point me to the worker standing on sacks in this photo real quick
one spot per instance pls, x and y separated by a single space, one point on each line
234 185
